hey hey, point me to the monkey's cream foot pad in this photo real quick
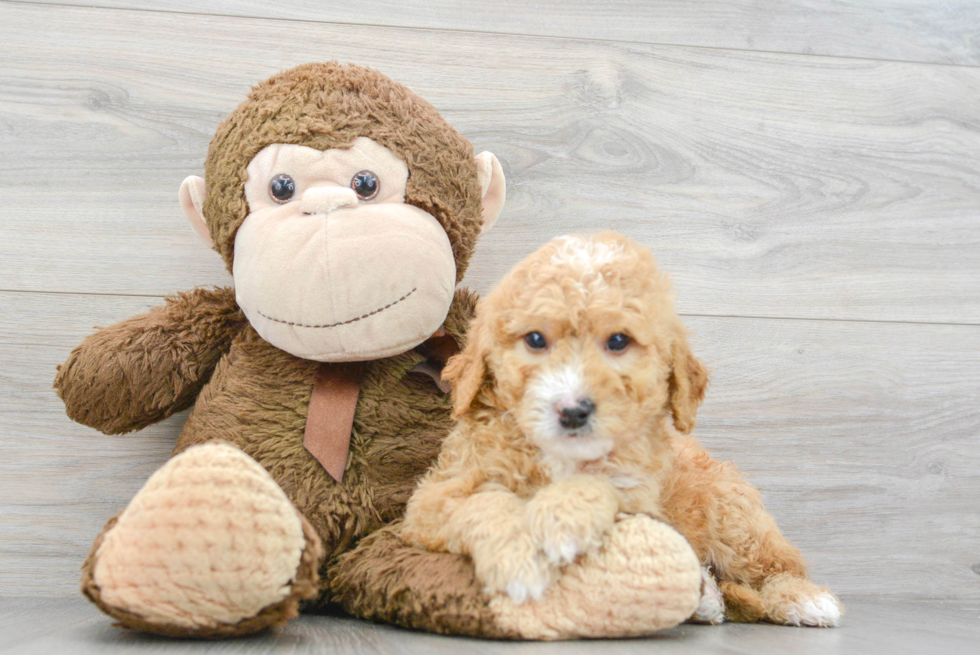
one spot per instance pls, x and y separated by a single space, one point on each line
644 579
210 546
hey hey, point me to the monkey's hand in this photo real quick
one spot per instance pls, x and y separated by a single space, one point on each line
142 370
572 516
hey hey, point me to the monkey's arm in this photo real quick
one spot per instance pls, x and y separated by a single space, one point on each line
142 370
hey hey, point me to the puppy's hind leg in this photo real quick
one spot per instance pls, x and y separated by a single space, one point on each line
765 575
760 573
785 599
742 603
711 609
793 600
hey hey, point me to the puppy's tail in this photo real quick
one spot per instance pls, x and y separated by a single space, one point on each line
743 604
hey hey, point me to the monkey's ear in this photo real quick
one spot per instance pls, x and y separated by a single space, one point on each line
192 202
493 186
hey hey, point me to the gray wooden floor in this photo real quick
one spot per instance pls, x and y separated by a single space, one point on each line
70 625
809 172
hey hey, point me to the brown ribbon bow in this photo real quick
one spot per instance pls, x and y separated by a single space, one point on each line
335 391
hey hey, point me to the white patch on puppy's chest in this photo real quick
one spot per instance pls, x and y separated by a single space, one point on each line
557 468
624 481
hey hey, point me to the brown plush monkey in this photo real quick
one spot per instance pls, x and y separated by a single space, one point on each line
346 209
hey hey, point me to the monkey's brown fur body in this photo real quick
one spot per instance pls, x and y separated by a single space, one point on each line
256 398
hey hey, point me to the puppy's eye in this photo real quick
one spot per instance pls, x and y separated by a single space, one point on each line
618 342
535 341
365 184
282 188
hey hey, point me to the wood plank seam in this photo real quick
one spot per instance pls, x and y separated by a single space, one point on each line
619 41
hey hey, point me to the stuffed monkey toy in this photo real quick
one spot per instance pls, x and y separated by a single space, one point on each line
346 210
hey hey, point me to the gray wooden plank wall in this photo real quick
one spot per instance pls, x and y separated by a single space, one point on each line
808 171
904 30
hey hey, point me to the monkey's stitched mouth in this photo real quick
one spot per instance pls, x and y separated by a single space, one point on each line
339 323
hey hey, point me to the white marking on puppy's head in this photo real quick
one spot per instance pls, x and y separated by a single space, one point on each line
585 254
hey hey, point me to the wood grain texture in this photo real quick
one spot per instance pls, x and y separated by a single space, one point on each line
871 627
776 189
770 185
59 481
905 30
861 436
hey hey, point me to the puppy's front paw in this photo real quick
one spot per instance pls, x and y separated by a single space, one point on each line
523 588
572 517
562 538
517 569
563 550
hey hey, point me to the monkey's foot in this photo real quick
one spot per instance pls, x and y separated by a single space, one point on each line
645 578
210 546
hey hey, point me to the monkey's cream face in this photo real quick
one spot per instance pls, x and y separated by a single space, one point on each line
331 264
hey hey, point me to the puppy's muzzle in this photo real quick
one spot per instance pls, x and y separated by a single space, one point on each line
576 416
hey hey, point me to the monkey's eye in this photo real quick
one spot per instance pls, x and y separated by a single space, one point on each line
365 185
282 188
535 341
618 342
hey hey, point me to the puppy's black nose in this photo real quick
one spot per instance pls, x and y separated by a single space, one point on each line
576 416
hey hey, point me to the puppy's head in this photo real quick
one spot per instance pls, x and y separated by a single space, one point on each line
580 342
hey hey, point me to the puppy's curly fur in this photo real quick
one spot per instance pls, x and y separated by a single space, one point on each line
574 395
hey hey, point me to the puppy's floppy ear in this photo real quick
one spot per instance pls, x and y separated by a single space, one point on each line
467 371
688 379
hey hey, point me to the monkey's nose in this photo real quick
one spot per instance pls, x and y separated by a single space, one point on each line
323 200
577 415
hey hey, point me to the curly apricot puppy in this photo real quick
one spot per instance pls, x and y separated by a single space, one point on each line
575 367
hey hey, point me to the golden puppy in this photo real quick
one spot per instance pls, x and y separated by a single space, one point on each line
573 394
